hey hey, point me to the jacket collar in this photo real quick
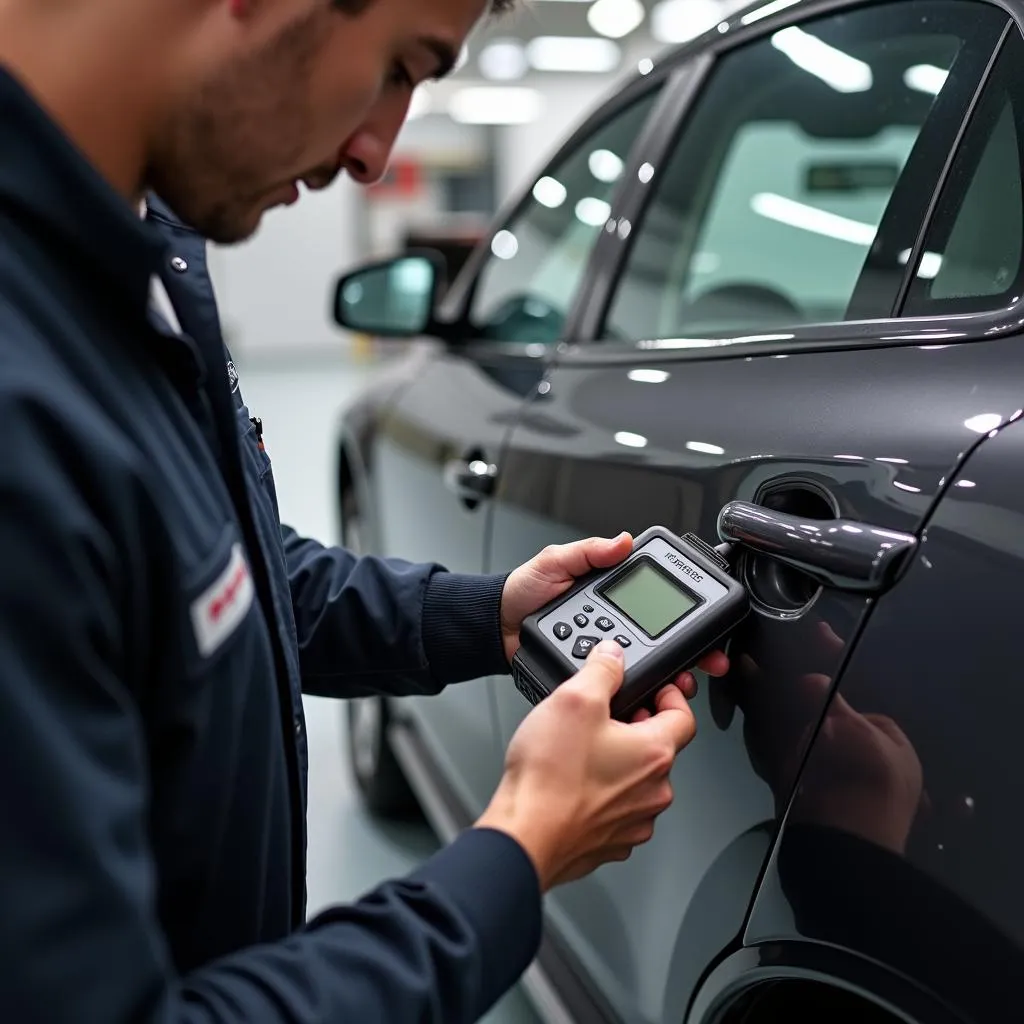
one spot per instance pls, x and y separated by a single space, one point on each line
44 177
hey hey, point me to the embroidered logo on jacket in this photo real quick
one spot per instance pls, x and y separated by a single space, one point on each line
219 609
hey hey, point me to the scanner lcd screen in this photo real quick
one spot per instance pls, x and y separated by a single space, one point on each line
649 597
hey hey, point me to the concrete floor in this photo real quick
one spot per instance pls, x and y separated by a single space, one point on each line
348 852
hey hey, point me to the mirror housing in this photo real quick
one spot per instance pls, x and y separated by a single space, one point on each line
393 298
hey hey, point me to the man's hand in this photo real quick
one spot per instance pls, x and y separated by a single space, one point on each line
550 573
580 788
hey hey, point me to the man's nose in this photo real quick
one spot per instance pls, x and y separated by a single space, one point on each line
366 157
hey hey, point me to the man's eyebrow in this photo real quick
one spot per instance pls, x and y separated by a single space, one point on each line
445 54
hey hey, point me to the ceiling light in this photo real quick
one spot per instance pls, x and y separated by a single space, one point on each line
503 60
931 264
646 66
810 218
549 192
593 212
643 376
835 68
984 422
495 105
615 18
705 448
925 78
504 245
679 21
605 165
566 53
631 440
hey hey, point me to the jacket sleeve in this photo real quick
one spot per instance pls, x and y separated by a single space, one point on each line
80 939
382 625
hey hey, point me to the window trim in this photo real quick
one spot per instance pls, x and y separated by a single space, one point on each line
828 335
454 311
937 197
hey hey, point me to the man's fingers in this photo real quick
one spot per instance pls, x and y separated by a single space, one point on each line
715 664
672 719
567 561
602 671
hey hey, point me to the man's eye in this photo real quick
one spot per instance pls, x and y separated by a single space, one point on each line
400 75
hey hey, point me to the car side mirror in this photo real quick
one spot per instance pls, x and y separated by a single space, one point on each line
392 298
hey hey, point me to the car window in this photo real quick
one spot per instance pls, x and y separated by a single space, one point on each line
526 288
971 258
771 199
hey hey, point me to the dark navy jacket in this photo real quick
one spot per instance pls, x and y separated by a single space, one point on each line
156 626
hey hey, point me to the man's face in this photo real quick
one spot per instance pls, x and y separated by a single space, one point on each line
306 91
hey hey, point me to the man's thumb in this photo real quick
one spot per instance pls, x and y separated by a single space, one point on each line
604 668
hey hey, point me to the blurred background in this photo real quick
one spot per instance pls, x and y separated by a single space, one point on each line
525 79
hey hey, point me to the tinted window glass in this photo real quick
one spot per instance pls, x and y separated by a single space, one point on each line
771 199
971 259
527 286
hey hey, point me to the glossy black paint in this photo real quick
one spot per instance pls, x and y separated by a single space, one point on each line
904 838
872 422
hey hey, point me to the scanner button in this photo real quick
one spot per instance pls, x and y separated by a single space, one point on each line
583 646
581 620
603 623
623 641
588 608
562 630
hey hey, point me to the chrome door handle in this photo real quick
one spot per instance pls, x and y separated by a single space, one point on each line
838 553
471 480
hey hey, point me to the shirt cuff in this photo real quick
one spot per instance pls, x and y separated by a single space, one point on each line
492 882
462 626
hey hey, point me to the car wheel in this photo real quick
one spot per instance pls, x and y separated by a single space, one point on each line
376 770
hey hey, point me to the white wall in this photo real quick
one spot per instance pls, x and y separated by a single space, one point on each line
274 289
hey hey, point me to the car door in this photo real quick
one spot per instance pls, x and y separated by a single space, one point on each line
435 458
745 351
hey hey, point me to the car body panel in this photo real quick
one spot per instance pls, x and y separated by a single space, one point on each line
454 409
571 469
912 791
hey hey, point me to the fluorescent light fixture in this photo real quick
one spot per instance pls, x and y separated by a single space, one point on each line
503 60
615 18
646 66
704 448
644 376
895 462
504 245
631 440
495 105
835 68
966 483
569 53
810 218
593 212
645 173
983 422
766 11
906 487
549 192
679 21
605 165
925 78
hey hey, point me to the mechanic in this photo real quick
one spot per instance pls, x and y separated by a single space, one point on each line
156 622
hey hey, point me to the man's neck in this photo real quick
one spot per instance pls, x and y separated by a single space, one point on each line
101 101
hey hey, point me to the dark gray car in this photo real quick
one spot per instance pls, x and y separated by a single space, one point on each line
783 268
